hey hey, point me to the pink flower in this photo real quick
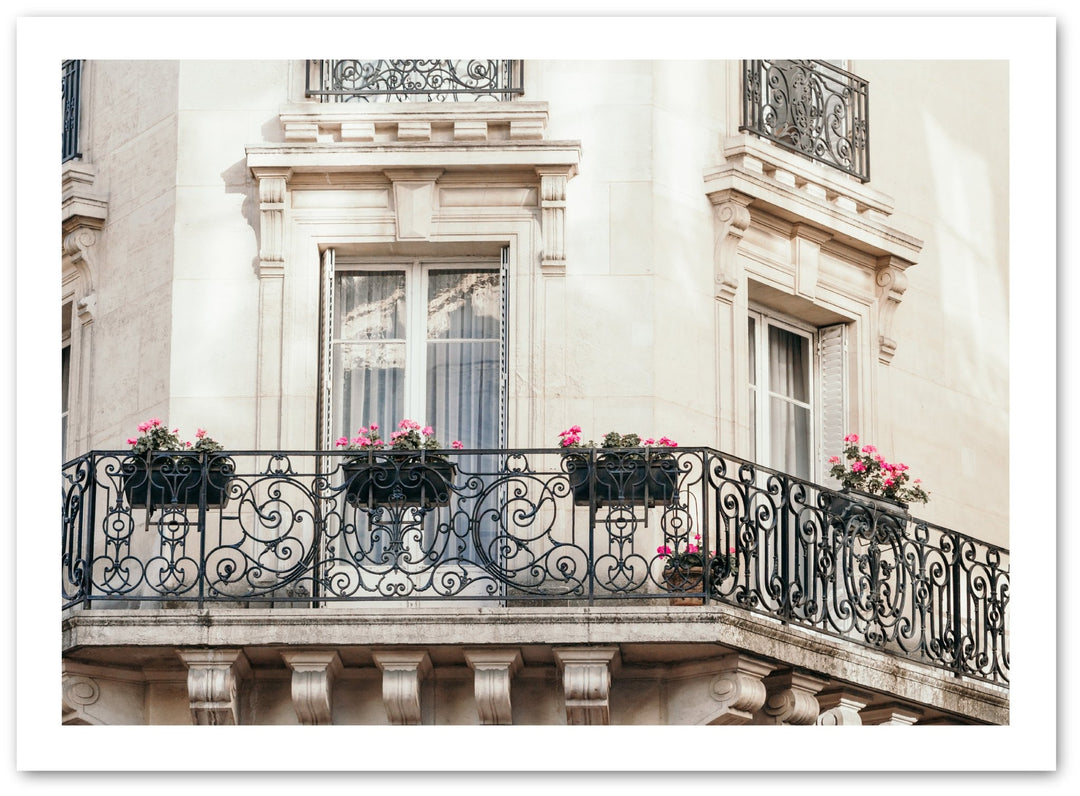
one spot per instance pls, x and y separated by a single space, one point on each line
731 549
868 449
200 433
834 460
363 442
691 548
188 443
361 430
155 422
132 441
858 467
575 429
374 426
342 442
851 438
427 431
648 441
456 445
663 550
697 536
888 482
144 427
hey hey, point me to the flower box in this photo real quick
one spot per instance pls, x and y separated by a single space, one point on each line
176 480
404 481
872 510
634 478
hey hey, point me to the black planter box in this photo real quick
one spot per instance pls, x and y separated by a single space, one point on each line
175 480
394 481
623 478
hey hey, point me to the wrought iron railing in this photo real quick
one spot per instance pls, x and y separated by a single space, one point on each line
71 86
354 80
512 526
810 107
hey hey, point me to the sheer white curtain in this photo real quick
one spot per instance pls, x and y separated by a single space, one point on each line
369 350
789 402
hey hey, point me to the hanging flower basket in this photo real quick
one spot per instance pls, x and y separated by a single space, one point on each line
385 480
176 480
633 478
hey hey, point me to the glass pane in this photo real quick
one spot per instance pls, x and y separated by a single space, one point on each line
753 351
65 369
369 305
463 392
369 386
463 305
789 438
789 364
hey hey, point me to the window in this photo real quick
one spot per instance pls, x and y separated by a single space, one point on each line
65 377
797 393
419 339
71 86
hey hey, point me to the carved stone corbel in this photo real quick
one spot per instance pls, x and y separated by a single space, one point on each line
891 282
313 675
731 219
79 693
553 180
739 689
493 669
586 676
273 183
891 713
402 674
840 706
214 680
791 698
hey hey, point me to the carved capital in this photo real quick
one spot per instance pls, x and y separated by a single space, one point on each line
841 706
402 672
273 184
214 680
586 676
891 282
731 219
553 180
313 675
739 689
791 698
79 693
493 669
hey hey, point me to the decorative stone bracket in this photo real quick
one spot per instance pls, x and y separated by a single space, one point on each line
493 669
403 672
214 681
841 706
791 698
79 693
586 676
313 675
891 283
739 689
731 219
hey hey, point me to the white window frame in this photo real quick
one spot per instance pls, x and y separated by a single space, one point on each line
761 391
417 271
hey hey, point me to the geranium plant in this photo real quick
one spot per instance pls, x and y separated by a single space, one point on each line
410 436
156 436
866 470
694 557
571 438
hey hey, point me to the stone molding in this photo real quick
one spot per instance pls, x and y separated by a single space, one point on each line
791 698
891 713
841 706
586 677
453 121
79 693
493 669
313 675
553 182
739 689
273 184
402 673
81 203
214 682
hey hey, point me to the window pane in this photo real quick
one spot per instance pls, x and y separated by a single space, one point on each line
789 438
789 364
463 304
464 319
369 305
369 386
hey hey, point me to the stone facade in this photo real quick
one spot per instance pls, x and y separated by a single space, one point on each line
641 227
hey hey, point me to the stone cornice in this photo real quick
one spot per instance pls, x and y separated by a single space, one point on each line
82 205
803 192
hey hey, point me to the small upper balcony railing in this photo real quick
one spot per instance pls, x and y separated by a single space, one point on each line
353 80
71 87
810 107
519 527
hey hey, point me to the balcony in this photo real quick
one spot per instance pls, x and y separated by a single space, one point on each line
810 107
529 528
354 80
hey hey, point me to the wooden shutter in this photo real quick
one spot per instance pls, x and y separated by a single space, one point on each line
832 393
326 333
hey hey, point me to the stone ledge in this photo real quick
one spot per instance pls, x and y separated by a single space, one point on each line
713 625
